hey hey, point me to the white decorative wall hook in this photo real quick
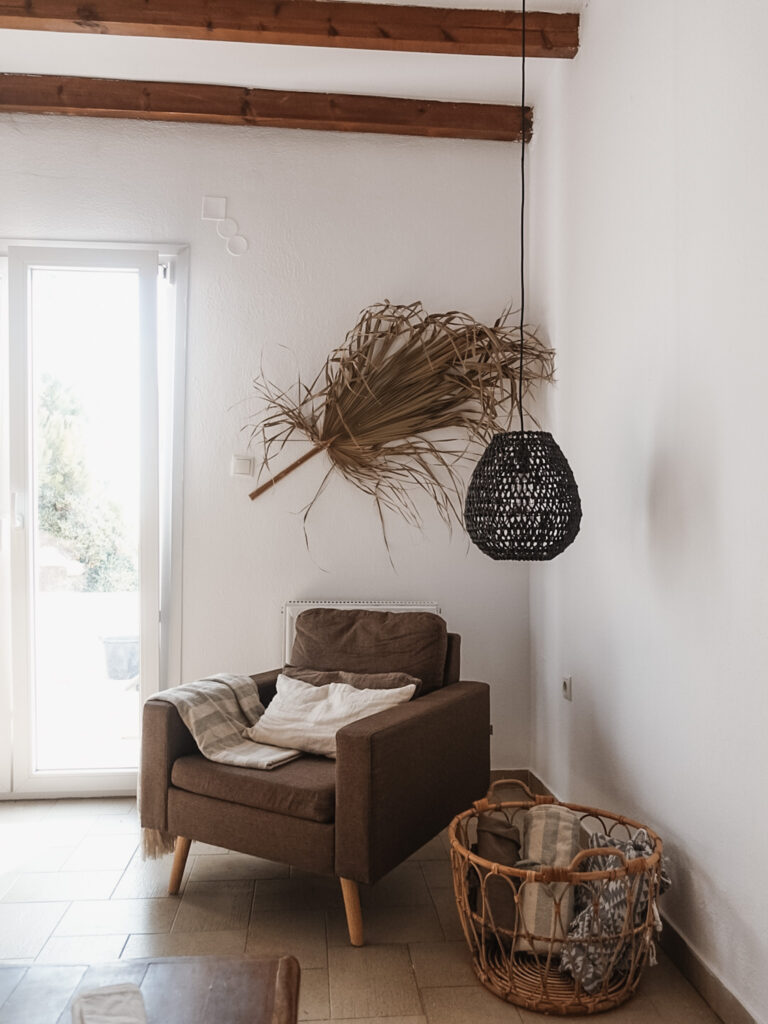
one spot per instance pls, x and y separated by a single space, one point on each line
215 209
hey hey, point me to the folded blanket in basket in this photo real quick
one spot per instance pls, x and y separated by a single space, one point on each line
607 912
551 838
498 841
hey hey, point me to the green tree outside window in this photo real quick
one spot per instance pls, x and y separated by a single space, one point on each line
73 511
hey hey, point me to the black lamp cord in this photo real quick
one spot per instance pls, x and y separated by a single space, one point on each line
522 232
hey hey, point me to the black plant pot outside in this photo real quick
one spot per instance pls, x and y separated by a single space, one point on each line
122 656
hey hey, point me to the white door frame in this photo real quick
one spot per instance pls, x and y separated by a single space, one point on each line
6 731
157 587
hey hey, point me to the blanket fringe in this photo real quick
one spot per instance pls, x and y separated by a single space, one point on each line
155 843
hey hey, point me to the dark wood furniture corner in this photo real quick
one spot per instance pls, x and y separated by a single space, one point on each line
175 990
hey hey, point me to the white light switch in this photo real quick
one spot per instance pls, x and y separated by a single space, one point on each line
214 208
241 466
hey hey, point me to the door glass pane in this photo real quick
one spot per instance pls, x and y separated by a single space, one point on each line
85 466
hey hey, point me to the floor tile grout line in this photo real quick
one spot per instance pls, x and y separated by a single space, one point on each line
18 982
445 939
179 900
55 926
416 982
328 980
481 987
123 874
251 913
434 907
326 927
58 963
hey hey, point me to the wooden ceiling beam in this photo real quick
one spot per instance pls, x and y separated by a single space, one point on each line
222 104
307 23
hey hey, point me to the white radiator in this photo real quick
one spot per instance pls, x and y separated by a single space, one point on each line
291 609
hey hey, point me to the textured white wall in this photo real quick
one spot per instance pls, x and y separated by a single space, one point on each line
657 305
335 223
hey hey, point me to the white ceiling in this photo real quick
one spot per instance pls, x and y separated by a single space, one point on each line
302 68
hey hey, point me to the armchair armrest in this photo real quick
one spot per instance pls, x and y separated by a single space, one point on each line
164 738
401 775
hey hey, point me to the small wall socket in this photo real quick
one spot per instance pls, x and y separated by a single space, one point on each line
567 688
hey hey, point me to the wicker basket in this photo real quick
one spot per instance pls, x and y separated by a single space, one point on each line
524 967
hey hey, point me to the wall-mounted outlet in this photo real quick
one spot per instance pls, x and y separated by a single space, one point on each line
567 688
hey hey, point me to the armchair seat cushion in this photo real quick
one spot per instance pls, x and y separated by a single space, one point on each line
305 788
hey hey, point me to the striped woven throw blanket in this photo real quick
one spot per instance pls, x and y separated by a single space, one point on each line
217 711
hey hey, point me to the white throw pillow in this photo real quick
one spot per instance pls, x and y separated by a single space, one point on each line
308 717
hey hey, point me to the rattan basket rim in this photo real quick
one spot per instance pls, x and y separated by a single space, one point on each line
568 873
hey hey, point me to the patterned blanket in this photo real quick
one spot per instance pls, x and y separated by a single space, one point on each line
609 912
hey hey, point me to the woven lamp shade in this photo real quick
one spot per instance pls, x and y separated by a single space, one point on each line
522 503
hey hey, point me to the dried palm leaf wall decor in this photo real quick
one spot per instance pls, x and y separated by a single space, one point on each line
401 403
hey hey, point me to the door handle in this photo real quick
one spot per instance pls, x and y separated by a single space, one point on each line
17 517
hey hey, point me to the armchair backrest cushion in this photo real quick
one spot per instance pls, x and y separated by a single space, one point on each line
354 640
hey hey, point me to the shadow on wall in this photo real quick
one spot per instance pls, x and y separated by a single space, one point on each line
683 514
623 788
603 781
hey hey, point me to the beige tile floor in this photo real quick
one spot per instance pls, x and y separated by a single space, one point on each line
73 889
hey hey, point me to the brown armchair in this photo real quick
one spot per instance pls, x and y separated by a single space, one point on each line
398 778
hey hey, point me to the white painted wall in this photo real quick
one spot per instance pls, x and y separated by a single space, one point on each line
658 307
335 223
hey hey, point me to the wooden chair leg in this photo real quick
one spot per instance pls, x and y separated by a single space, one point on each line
180 854
351 896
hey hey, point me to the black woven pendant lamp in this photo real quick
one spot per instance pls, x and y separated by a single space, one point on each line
522 503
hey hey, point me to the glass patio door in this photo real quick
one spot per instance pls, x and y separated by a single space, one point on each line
84 513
